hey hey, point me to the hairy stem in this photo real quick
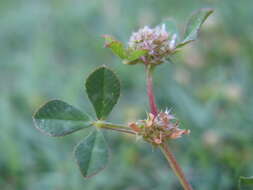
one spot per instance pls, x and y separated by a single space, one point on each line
175 166
150 92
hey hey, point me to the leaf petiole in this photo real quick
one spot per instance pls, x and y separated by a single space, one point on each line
114 127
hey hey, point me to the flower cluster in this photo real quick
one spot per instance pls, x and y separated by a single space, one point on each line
159 129
157 41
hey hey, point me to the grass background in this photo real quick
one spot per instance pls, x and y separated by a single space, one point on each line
48 48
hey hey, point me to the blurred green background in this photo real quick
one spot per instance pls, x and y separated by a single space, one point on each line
47 49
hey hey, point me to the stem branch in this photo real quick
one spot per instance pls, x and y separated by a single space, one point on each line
175 166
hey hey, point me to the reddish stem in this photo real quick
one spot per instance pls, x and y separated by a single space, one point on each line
175 166
150 92
165 149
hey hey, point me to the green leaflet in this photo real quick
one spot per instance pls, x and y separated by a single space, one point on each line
193 26
134 55
57 118
103 89
129 56
116 46
92 154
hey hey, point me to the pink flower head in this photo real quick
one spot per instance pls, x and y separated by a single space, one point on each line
156 41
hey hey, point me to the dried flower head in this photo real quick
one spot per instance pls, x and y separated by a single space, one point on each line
159 129
157 41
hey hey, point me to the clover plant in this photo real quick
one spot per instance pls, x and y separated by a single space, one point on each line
149 47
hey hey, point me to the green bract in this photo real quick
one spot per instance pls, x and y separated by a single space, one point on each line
57 118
